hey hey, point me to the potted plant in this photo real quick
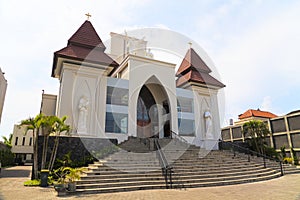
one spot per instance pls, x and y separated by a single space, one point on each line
60 185
72 175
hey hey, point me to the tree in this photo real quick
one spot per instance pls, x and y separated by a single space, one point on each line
47 126
58 127
34 124
8 141
257 131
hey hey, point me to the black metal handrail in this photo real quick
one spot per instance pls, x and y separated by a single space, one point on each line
251 152
177 136
167 169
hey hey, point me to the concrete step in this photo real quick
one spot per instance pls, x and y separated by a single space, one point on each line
192 167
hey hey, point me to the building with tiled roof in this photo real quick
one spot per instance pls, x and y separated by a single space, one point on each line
126 92
252 114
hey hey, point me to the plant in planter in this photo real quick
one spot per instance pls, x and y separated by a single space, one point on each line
60 185
72 175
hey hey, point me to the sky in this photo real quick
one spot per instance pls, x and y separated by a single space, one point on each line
254 45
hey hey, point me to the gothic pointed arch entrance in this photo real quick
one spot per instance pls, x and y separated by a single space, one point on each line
153 111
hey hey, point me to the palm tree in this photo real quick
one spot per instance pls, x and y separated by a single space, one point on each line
257 131
8 141
58 127
47 128
34 124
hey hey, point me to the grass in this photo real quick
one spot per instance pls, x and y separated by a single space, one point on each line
31 183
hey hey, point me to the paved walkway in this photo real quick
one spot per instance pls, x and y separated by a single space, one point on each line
286 187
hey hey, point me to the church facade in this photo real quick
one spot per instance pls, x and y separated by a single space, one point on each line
126 92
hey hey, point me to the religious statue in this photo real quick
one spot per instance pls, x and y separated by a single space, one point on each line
83 113
208 125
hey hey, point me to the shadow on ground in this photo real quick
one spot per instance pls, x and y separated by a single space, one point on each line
14 173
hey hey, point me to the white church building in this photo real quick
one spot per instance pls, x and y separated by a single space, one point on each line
126 92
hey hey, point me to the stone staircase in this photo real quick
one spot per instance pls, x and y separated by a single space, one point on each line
195 167
134 167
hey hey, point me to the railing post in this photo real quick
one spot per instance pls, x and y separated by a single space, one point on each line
264 158
248 155
281 168
170 172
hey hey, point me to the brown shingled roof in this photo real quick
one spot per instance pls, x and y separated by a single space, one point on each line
257 113
196 76
194 69
85 45
192 60
86 35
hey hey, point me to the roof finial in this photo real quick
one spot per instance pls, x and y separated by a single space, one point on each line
88 16
190 43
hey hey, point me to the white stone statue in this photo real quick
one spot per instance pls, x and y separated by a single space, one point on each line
83 113
208 125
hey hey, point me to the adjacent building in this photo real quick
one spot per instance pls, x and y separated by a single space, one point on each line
22 144
284 130
3 87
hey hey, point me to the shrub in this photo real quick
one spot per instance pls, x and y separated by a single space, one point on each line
7 158
288 160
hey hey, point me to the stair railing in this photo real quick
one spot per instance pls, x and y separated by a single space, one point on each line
167 169
237 148
177 136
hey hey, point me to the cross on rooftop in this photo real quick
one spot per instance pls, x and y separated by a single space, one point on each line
88 16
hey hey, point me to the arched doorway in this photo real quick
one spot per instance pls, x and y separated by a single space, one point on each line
153 112
145 122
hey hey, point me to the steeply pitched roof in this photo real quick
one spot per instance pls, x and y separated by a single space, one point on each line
192 60
257 113
84 45
194 69
86 35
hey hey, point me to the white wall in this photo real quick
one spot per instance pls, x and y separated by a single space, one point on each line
78 81
3 87
140 71
20 132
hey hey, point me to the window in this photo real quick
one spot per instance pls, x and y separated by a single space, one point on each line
117 96
30 141
116 122
16 141
186 127
185 105
23 142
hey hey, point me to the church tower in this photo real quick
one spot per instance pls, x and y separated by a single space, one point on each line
194 74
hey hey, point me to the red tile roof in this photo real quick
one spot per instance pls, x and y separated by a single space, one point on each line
84 45
257 113
194 69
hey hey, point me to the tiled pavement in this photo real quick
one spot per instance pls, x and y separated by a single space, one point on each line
286 187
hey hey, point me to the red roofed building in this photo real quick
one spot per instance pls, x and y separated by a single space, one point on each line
255 115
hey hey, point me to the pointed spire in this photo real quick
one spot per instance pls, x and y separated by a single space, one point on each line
192 60
86 36
194 69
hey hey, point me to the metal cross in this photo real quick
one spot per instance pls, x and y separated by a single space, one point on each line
88 16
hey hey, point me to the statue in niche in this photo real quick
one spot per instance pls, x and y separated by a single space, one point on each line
83 113
208 125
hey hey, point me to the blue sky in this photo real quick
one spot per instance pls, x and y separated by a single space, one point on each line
253 44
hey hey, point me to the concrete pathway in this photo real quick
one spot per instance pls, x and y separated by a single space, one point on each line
286 187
